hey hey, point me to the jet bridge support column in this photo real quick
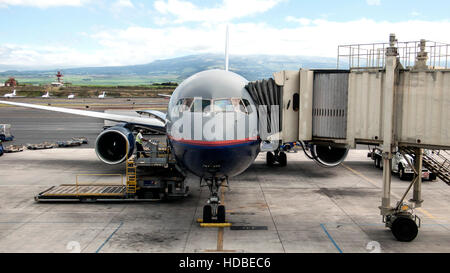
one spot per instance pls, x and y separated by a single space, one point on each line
388 123
417 193
400 219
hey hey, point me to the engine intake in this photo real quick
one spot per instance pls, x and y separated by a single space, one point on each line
329 156
111 145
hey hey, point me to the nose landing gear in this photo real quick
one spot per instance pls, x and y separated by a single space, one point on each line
214 211
279 157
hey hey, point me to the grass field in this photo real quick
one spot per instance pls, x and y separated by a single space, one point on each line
97 80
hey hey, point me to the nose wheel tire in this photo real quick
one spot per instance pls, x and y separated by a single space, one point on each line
207 214
280 157
221 214
404 229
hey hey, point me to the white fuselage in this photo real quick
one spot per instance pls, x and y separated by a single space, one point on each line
10 95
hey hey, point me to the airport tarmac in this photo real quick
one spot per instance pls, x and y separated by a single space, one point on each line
299 208
31 126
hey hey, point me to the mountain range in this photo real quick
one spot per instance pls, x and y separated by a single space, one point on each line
251 67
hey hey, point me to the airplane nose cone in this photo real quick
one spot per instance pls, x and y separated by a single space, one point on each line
216 159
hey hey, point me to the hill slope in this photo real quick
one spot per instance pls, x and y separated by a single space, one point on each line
252 67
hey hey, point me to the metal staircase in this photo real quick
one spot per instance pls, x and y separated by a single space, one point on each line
437 161
131 175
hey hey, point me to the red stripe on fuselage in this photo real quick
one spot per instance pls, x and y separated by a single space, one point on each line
214 143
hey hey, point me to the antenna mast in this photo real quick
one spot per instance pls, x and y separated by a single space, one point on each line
226 49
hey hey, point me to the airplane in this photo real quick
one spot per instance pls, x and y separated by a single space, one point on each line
71 96
10 95
165 96
215 97
46 95
102 96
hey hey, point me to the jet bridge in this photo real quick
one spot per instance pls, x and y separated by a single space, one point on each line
395 95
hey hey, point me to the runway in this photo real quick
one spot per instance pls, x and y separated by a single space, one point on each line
36 126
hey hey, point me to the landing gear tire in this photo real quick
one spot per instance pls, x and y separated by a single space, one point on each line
401 173
207 214
378 163
221 214
270 159
404 229
282 159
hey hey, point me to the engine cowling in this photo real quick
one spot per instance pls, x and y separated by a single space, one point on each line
329 156
111 145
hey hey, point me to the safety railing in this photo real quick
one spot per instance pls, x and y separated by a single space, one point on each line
93 186
366 56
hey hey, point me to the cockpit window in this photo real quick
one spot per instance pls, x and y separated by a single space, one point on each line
239 105
247 105
223 105
205 105
183 105
216 105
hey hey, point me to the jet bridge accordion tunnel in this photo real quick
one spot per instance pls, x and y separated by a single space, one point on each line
394 103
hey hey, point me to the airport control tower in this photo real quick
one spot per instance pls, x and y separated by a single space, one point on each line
59 80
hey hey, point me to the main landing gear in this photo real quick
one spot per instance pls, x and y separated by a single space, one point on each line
214 211
279 157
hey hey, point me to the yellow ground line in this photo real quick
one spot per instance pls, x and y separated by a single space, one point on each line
220 231
427 213
216 225
220 239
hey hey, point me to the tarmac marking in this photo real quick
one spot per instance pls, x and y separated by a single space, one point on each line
109 237
427 213
220 231
331 238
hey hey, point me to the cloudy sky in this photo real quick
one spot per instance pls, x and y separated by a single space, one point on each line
70 33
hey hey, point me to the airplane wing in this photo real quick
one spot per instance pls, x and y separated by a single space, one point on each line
153 113
154 124
164 95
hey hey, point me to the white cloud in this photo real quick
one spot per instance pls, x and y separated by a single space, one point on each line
185 11
123 4
42 3
373 2
301 21
135 45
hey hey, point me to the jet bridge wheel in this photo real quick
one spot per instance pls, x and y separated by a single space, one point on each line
404 229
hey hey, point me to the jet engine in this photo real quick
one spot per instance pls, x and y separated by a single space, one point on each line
112 144
328 156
